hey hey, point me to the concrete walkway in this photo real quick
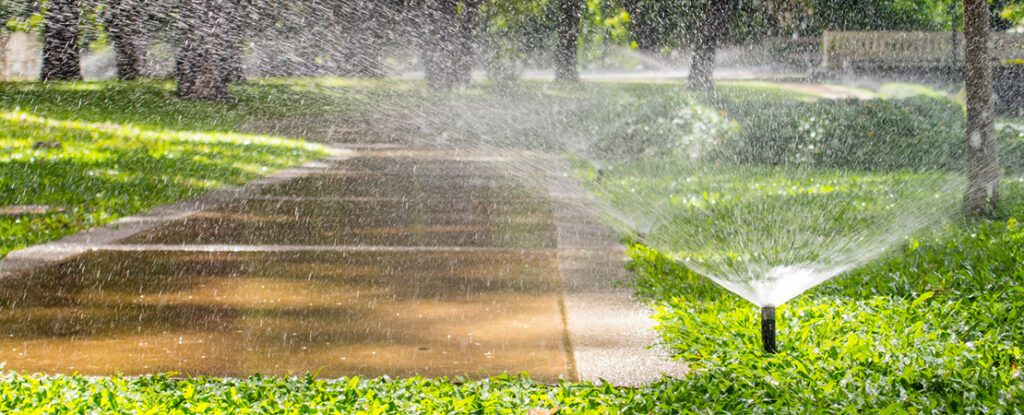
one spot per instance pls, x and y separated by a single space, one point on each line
375 262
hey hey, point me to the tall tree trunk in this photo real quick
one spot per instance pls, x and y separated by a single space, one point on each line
125 26
447 42
232 44
359 33
702 67
62 53
468 20
982 193
436 52
566 60
205 58
709 34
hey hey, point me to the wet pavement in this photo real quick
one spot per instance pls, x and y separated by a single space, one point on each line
387 263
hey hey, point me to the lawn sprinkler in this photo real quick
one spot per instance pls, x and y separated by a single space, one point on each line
768 329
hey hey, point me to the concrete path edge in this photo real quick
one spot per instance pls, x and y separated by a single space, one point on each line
51 253
612 333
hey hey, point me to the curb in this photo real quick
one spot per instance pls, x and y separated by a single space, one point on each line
612 333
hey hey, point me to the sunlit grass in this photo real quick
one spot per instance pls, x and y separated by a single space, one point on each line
732 217
899 90
934 325
768 89
88 153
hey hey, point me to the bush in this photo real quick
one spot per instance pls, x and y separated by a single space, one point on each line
1011 148
770 127
643 121
912 133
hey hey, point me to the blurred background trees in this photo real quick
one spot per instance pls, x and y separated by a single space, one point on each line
446 39
125 22
61 41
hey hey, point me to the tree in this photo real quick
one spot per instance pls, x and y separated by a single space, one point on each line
567 33
61 49
708 28
438 49
125 23
360 31
876 14
468 21
982 193
16 9
231 43
448 41
650 22
205 59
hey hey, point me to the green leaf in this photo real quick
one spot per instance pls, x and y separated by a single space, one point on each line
920 300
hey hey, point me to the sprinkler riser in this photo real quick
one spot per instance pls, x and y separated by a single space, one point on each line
768 329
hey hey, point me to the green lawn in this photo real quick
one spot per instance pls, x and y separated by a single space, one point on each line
78 155
936 325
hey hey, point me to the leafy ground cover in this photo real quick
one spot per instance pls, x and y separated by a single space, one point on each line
78 155
309 395
933 327
936 326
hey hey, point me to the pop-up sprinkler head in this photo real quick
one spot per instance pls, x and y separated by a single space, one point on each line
768 329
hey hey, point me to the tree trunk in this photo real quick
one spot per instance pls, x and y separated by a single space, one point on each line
62 53
702 68
566 60
125 26
465 58
359 32
447 42
231 44
708 36
204 62
982 195
436 52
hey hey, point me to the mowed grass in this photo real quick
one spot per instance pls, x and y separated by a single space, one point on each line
79 155
722 216
935 325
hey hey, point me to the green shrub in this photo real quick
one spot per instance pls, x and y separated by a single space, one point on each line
760 125
911 133
643 121
1011 148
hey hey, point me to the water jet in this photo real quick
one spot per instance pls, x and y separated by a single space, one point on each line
768 329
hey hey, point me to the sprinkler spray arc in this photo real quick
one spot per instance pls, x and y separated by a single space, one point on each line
768 329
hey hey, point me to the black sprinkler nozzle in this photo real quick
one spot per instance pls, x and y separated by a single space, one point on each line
768 329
